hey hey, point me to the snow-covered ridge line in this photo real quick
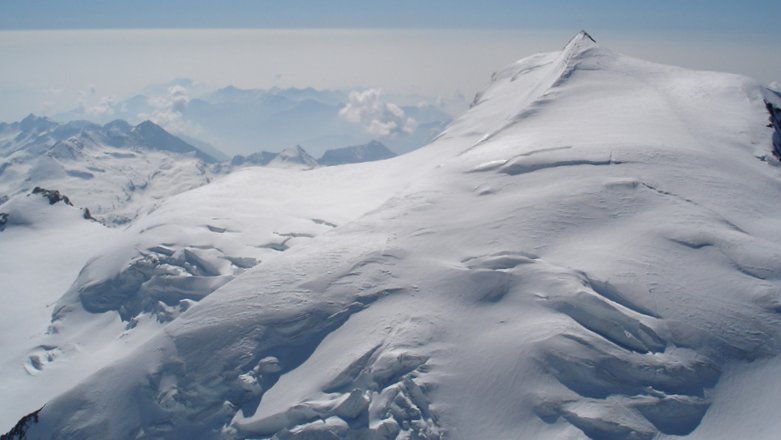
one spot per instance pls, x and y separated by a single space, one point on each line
552 71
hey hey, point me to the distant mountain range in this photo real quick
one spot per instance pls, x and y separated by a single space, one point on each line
245 120
372 151
297 156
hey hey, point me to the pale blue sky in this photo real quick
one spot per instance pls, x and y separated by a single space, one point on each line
701 16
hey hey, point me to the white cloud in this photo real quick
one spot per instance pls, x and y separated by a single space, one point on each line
167 110
104 107
377 117
46 107
775 85
91 106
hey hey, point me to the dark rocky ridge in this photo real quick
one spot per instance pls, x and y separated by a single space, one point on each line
19 431
52 195
774 110
372 151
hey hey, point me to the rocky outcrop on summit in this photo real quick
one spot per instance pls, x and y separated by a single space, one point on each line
52 195
773 105
41 206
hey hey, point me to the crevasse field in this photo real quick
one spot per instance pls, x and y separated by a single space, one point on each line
592 251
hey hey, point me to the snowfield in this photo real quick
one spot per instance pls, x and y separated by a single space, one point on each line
590 252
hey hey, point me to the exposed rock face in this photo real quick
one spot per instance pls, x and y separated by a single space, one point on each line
87 215
774 110
20 430
26 213
52 195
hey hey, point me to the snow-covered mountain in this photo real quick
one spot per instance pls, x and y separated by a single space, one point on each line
298 157
260 158
372 151
294 156
591 251
116 170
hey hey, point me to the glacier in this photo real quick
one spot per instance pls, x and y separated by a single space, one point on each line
590 252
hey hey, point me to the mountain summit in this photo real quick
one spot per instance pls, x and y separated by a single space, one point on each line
590 252
151 135
581 38
293 156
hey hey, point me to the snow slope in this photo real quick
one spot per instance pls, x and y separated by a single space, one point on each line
147 273
42 249
590 252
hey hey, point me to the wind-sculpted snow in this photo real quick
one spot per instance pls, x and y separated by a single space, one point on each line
150 271
585 254
154 281
124 285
